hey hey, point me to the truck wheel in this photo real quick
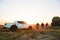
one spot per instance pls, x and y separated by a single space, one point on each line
13 28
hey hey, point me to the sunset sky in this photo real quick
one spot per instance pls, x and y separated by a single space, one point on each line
31 11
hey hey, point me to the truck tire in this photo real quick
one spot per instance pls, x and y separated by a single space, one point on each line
13 28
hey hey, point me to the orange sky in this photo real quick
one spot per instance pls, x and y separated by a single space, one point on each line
31 11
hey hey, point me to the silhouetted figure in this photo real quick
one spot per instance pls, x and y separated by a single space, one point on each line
46 25
37 25
42 25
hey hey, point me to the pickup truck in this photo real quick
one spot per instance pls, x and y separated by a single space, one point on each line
17 25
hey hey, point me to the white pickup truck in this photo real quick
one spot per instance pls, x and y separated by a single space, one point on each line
17 25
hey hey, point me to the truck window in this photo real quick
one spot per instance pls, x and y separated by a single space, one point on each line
21 22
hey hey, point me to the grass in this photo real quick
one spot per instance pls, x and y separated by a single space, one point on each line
6 34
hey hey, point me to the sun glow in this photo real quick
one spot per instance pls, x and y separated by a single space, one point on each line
30 11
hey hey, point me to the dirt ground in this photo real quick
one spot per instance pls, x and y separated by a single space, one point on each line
28 35
6 34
